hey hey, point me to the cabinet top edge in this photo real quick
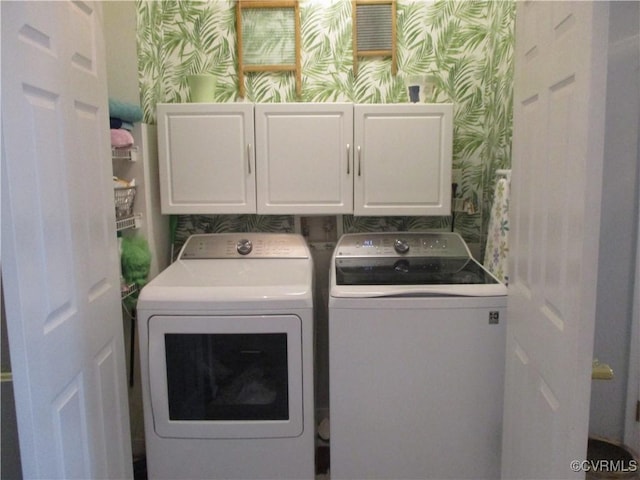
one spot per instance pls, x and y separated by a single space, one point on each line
275 104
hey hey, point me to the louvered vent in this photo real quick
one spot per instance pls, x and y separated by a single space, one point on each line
374 24
374 31
269 36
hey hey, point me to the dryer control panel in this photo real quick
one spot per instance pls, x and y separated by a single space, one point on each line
244 245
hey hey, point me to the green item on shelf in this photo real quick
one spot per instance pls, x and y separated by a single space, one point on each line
135 260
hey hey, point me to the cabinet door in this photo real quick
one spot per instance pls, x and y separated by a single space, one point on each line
304 158
206 158
402 160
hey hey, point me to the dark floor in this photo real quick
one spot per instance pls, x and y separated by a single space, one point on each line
322 459
322 464
140 469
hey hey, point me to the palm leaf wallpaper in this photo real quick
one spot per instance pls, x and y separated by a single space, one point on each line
465 47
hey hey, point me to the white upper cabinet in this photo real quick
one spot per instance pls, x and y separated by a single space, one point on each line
403 155
309 158
304 158
206 158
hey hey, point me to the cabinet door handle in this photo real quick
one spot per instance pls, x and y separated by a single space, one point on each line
249 157
348 155
359 161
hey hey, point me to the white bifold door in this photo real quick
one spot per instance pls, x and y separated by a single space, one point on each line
59 251
560 75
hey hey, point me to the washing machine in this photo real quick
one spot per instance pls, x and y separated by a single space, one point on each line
416 359
226 347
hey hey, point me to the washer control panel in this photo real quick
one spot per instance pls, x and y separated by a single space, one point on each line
244 245
402 244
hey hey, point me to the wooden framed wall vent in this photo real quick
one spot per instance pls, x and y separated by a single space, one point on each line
374 31
268 38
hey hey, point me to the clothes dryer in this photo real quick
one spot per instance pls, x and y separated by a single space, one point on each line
416 359
226 346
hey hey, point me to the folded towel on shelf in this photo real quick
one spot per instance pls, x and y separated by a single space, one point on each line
126 112
121 138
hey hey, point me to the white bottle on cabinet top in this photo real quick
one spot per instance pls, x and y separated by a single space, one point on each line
206 158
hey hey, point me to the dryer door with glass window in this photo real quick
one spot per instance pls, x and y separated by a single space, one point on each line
226 376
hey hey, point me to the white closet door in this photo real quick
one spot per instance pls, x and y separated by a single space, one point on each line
555 209
59 251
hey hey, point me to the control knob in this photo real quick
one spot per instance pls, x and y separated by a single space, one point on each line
244 246
401 246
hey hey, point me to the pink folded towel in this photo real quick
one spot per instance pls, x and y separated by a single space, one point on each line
121 138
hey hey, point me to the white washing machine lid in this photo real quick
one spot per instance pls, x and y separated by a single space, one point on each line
408 264
255 281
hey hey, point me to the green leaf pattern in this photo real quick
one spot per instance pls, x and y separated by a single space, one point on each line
466 47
